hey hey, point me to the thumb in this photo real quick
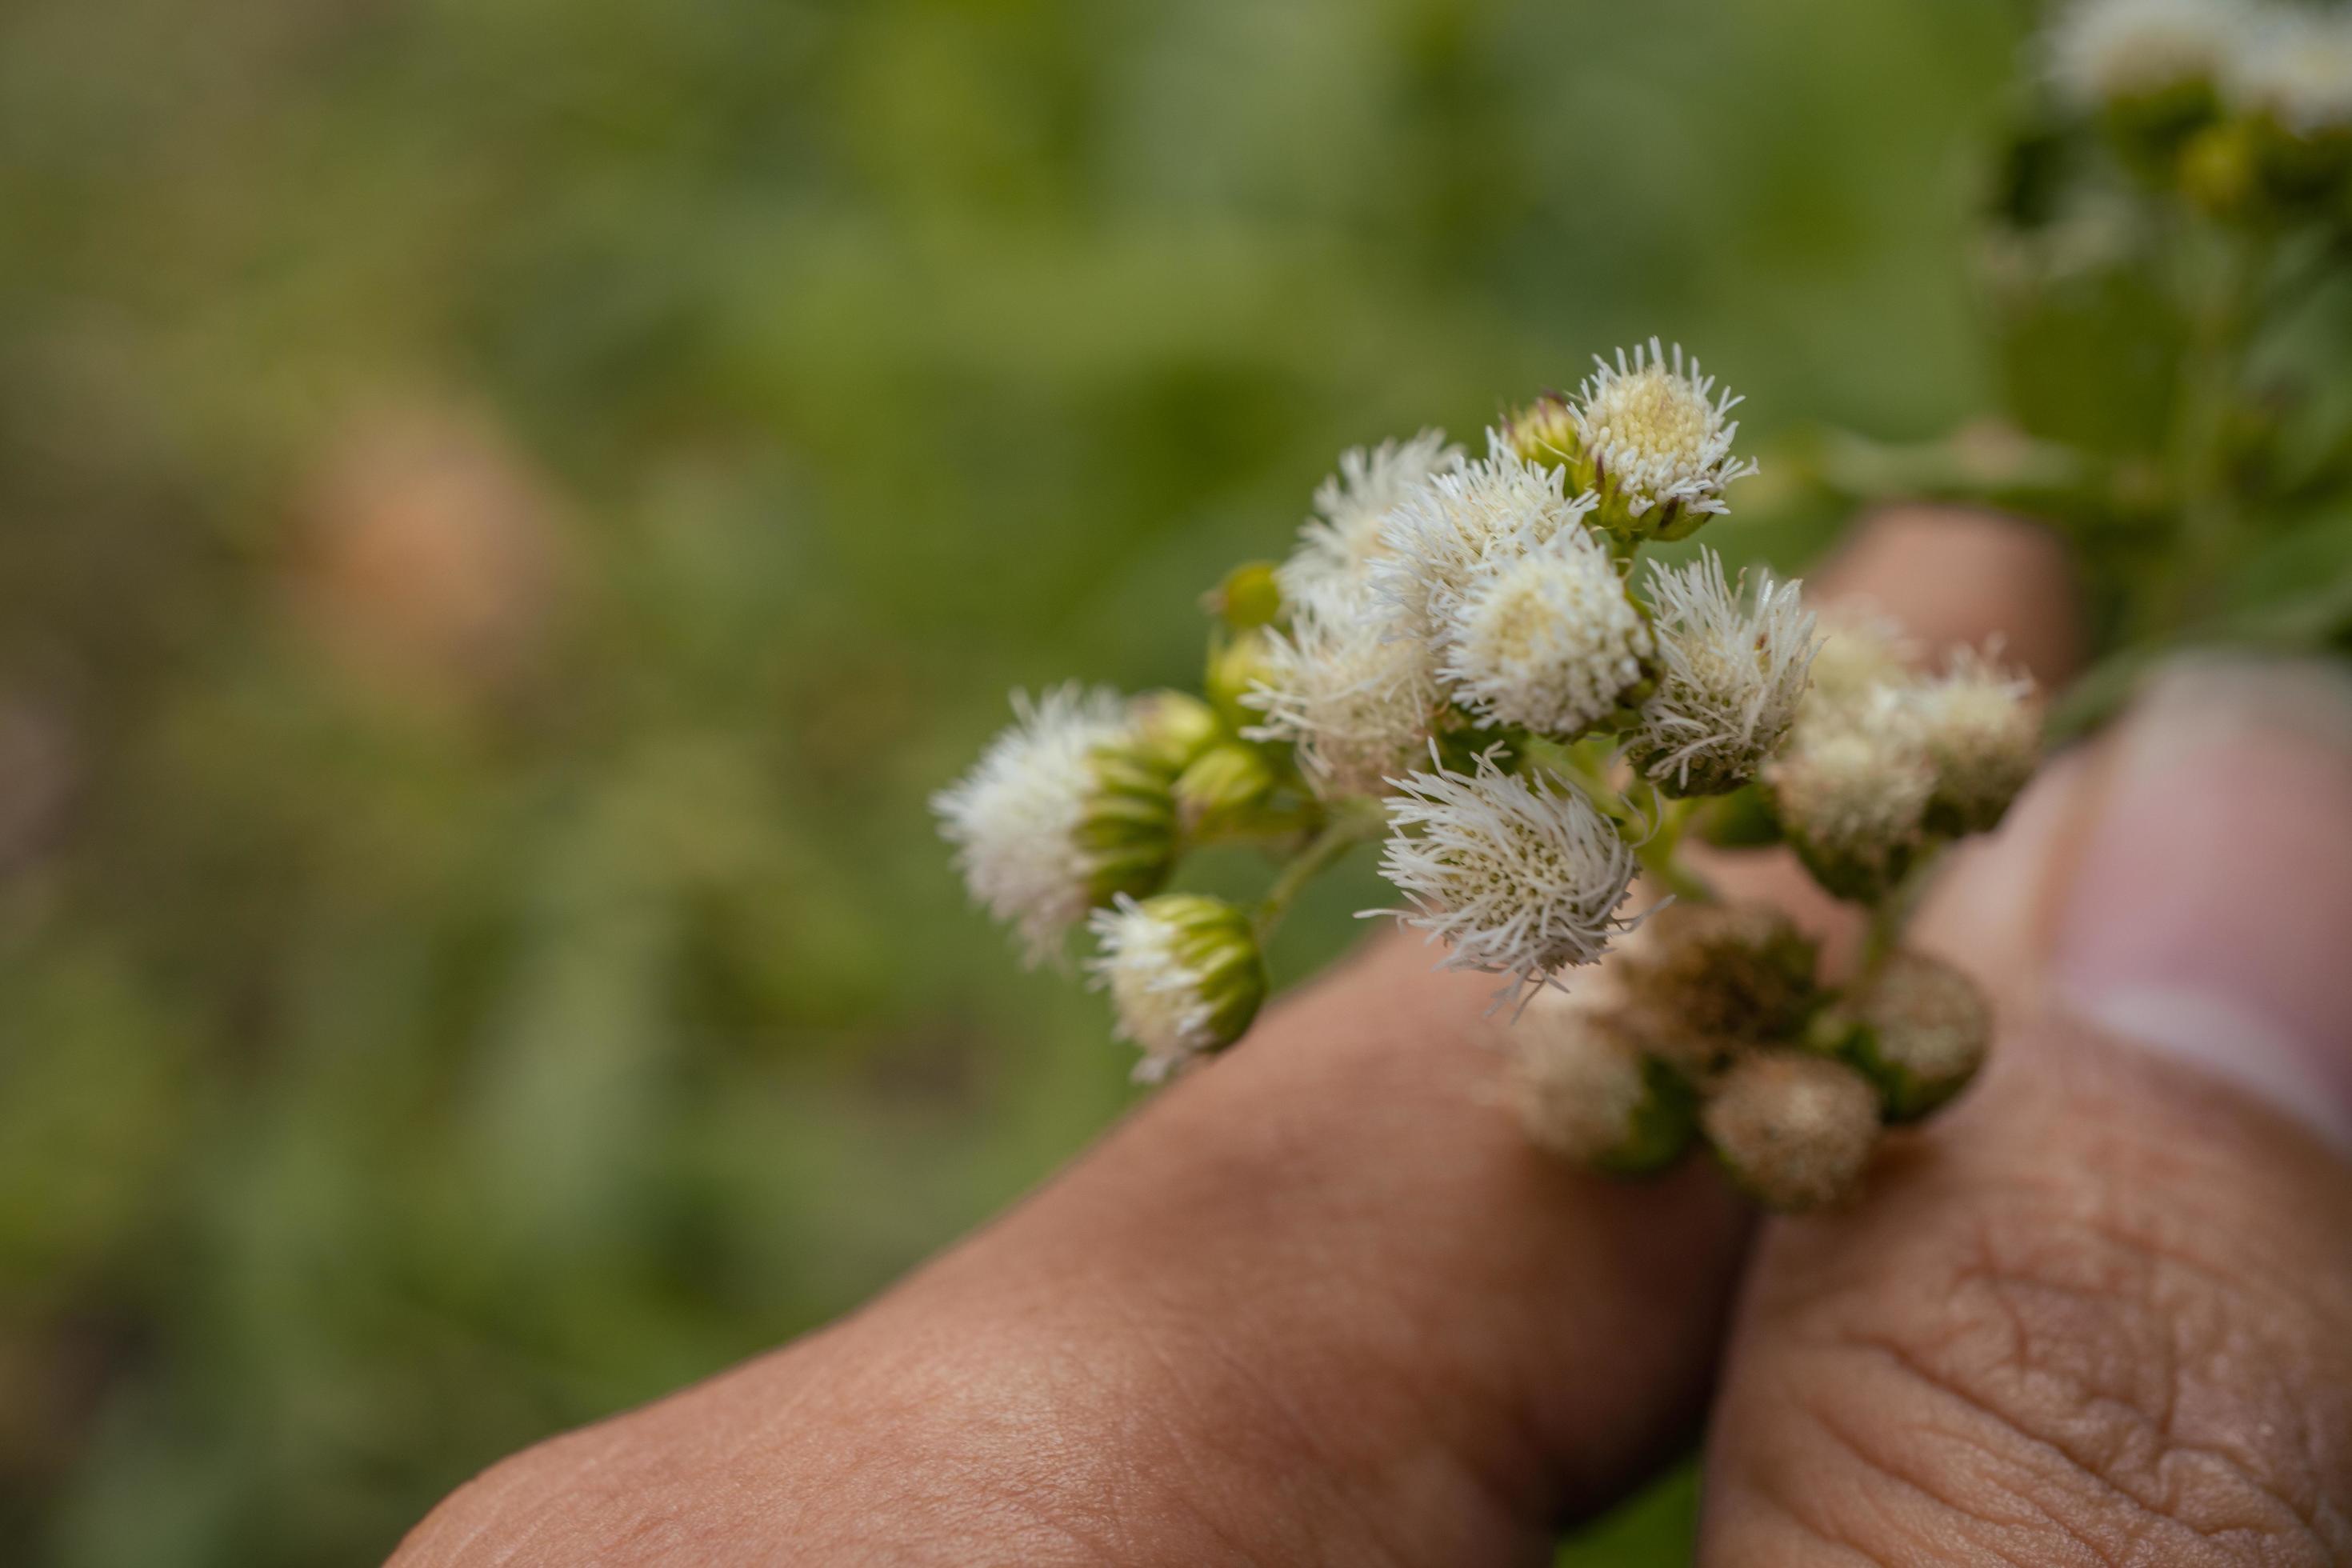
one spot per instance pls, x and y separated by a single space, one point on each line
2102 1310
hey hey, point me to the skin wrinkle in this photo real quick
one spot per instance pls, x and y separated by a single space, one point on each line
1820 1411
2114 1403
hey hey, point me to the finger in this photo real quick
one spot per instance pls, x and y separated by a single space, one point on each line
2101 1310
1321 1298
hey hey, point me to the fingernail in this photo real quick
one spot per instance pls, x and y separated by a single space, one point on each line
2211 905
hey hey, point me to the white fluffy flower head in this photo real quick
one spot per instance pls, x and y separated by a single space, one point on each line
1519 878
1183 975
2295 66
1655 436
1734 666
1547 640
2106 51
1356 702
1853 789
1982 730
1438 538
1338 544
1014 819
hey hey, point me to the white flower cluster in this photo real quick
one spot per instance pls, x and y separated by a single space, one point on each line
1469 657
2288 62
1881 759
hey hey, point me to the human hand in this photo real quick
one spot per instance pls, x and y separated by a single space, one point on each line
1322 1301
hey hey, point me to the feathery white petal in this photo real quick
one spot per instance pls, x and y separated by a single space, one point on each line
1519 879
1013 816
1547 640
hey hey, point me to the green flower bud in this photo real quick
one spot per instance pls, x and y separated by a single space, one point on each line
1172 729
1543 432
2219 170
1184 973
1222 791
1585 1089
1250 596
1918 1029
1238 663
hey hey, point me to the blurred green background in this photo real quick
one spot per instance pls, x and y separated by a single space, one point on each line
506 509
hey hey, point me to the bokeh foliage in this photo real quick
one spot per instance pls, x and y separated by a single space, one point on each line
506 508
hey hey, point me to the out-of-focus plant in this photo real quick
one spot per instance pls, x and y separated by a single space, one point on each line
2167 254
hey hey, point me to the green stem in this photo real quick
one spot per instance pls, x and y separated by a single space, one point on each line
1353 822
1657 853
1891 914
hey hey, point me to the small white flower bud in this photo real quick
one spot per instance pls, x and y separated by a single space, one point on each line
1051 822
1184 975
1520 879
1357 702
1982 733
1795 1130
1441 535
1547 640
1918 1030
1733 670
1853 795
1584 1090
1337 546
1654 442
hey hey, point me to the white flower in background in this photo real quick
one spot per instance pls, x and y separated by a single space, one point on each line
1439 537
1340 542
1015 818
1733 669
1184 976
1853 790
1355 700
2295 66
1519 878
1859 651
1653 440
1981 732
1547 640
2102 52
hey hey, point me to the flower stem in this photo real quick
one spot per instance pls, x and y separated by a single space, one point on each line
1352 823
1657 853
